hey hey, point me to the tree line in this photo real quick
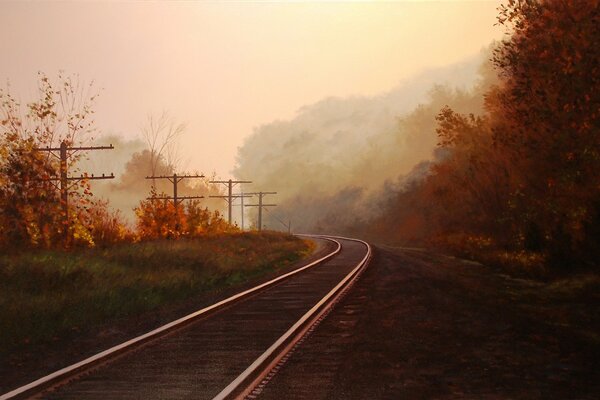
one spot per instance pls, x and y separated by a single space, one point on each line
519 183
33 214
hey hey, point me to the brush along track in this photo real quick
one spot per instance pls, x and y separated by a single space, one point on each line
201 354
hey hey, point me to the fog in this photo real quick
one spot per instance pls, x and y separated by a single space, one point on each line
130 162
225 67
338 160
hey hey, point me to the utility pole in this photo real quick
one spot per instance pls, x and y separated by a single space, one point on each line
230 196
241 196
242 208
288 225
175 179
64 178
261 205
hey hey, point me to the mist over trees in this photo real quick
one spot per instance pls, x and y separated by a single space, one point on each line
505 171
494 158
48 200
132 162
519 185
338 160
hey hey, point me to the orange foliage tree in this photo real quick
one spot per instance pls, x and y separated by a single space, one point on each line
160 219
30 208
548 121
523 177
107 226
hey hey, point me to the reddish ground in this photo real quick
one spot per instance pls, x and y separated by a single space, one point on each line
420 326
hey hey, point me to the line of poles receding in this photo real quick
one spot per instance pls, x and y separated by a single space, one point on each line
230 197
65 151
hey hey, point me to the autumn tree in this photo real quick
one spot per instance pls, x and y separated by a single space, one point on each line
474 178
547 121
522 176
29 201
161 219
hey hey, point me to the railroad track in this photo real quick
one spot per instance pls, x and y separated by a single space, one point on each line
229 350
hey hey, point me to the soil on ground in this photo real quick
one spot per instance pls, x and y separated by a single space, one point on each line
424 326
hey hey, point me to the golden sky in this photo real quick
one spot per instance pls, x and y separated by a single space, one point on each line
226 67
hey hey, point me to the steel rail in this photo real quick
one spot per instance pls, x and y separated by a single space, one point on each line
244 383
65 372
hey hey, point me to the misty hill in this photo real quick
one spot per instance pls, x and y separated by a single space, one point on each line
340 153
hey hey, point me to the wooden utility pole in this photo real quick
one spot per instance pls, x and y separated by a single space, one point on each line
64 178
240 196
287 225
242 210
175 179
230 196
261 205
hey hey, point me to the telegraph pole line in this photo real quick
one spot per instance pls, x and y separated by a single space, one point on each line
64 178
175 179
261 205
230 196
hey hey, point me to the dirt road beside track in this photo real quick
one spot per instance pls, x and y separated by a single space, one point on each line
420 326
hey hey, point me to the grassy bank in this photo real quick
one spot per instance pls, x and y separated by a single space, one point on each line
45 295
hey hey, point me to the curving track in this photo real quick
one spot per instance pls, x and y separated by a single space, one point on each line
220 353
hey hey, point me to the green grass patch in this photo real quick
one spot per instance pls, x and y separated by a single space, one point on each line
49 294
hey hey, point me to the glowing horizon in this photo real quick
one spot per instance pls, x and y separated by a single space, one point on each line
225 68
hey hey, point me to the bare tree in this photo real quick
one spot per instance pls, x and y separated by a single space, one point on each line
162 134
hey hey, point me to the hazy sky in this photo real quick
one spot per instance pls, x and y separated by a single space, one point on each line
225 68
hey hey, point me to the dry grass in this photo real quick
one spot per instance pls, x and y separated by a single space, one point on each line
48 294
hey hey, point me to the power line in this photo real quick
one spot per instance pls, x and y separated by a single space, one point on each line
64 177
229 197
260 205
241 196
175 179
288 225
